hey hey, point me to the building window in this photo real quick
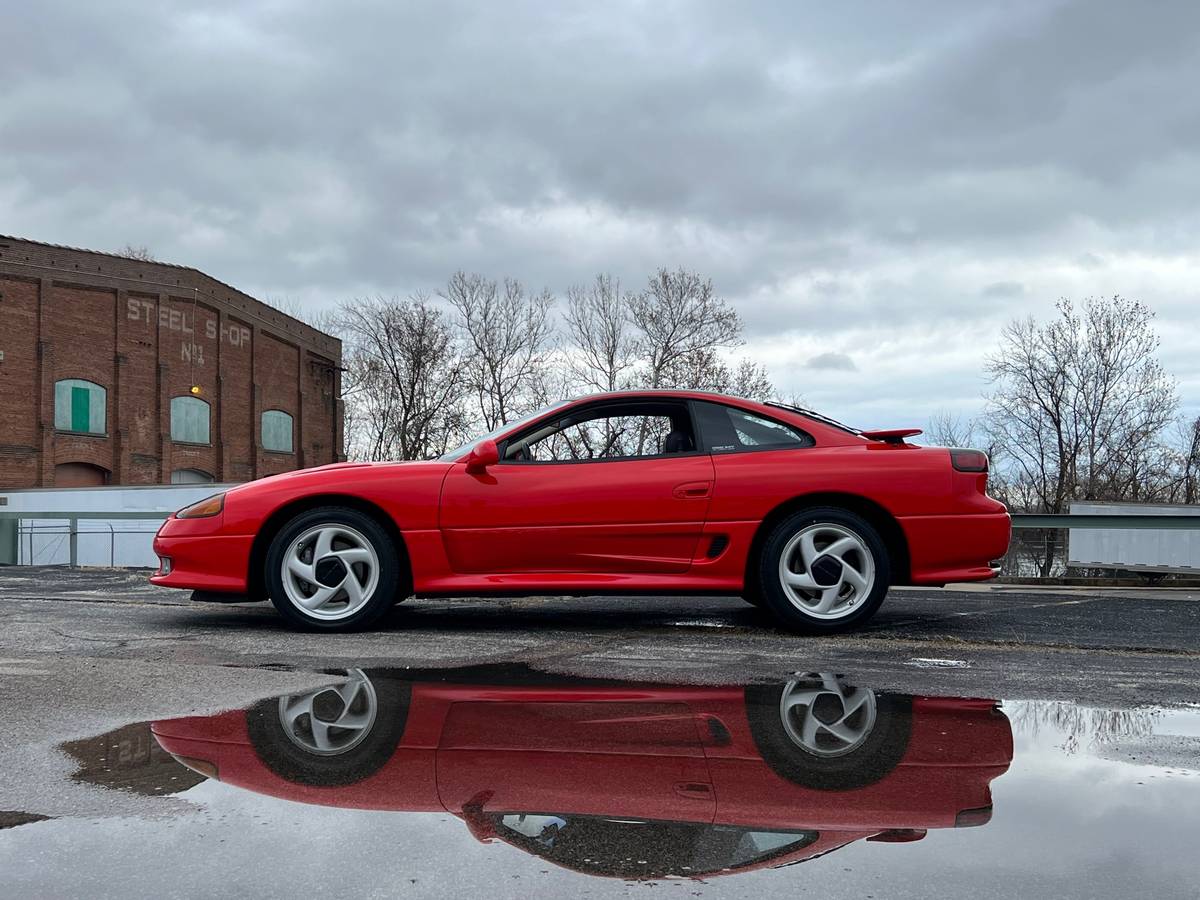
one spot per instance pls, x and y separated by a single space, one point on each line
277 431
191 476
189 420
79 406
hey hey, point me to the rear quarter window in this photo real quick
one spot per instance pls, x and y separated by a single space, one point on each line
726 429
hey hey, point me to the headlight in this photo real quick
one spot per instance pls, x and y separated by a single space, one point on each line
209 506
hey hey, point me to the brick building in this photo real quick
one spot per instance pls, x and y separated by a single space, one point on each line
121 371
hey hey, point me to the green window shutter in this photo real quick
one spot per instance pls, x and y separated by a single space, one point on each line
81 409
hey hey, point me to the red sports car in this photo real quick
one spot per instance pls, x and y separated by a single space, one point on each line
646 491
620 779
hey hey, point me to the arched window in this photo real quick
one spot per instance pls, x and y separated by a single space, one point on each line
277 431
189 420
79 406
191 476
77 474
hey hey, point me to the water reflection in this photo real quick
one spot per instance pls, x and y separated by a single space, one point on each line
632 780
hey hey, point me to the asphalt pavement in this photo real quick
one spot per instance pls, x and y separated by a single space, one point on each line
1121 645
88 657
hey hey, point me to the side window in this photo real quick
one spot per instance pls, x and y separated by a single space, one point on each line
277 431
611 432
729 430
189 420
79 406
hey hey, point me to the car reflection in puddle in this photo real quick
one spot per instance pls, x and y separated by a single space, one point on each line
629 780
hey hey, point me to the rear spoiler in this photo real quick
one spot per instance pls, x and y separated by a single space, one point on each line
890 435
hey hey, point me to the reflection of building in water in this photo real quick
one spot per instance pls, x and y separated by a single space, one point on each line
129 759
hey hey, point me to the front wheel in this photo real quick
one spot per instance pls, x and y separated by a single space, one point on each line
332 569
823 570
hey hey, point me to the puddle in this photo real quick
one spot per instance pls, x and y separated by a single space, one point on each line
505 782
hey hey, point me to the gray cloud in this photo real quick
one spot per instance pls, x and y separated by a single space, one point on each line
848 168
836 361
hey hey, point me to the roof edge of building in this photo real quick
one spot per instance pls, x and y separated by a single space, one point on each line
176 266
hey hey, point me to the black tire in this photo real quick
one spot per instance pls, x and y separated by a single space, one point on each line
385 594
878 754
290 759
775 597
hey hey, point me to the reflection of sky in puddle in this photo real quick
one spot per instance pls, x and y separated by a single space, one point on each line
1097 803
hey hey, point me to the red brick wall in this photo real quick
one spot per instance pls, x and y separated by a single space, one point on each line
20 434
148 332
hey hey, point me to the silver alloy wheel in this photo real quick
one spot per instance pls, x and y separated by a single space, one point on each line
829 720
332 720
827 571
330 571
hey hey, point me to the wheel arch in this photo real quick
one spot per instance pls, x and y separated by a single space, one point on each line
266 533
884 522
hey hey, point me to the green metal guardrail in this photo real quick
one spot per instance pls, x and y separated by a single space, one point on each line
1019 520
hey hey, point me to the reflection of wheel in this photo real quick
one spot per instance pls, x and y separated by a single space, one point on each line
333 736
332 569
820 732
823 570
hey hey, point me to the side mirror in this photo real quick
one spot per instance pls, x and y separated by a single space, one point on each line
482 455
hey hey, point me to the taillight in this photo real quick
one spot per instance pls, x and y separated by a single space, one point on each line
968 460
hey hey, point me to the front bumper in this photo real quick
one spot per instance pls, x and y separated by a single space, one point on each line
201 559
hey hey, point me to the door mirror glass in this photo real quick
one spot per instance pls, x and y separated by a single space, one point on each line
482 455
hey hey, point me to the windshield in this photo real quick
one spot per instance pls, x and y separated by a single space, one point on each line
459 452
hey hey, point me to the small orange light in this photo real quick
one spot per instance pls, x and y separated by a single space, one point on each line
196 390
210 506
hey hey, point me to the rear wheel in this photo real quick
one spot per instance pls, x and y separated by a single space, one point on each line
332 569
820 732
823 570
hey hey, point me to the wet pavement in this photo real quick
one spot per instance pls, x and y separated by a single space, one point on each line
505 781
973 743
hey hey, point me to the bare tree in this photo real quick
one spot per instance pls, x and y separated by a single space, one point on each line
1189 462
947 429
508 333
139 252
405 378
681 323
603 347
1078 405
704 370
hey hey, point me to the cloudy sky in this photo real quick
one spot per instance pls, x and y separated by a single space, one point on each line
876 187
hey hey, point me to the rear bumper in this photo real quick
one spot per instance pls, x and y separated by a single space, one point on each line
211 562
956 547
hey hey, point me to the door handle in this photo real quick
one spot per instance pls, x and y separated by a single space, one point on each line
692 490
694 790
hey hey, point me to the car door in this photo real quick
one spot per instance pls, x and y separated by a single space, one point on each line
615 488
615 755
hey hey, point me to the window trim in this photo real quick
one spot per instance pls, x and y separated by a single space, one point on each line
703 440
103 434
684 404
